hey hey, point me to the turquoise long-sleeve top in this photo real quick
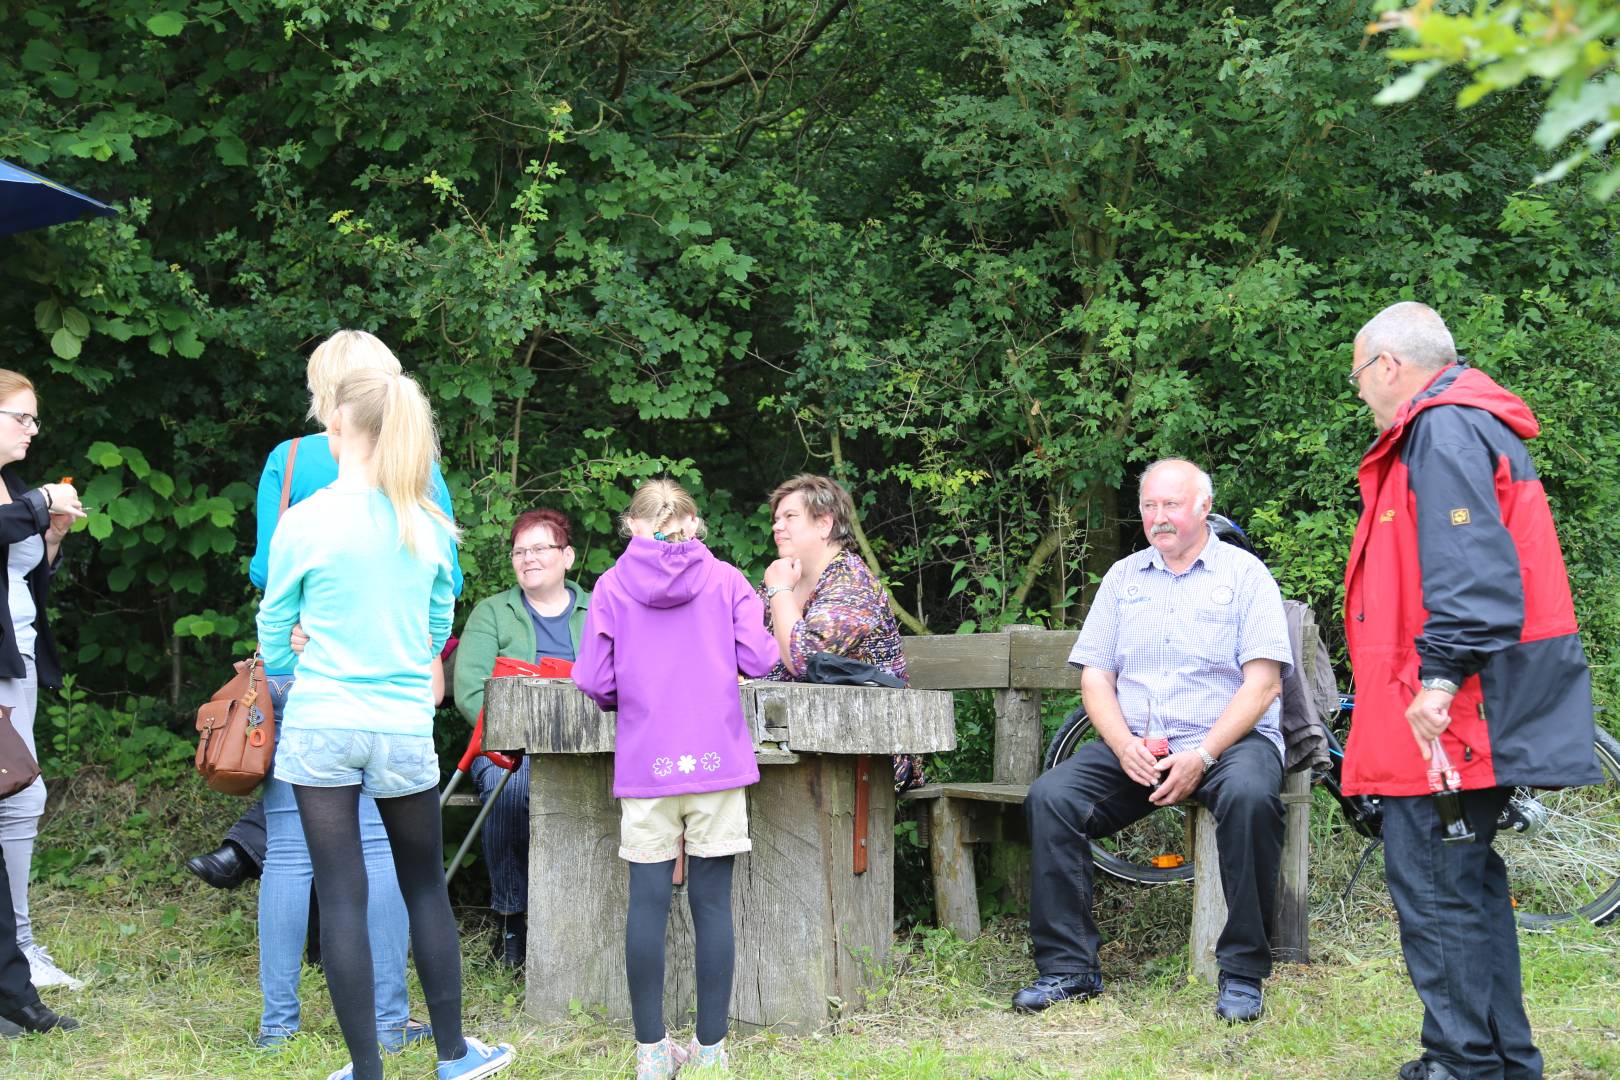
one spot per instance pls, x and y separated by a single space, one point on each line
376 615
313 469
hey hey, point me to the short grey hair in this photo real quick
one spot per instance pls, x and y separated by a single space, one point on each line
1206 486
1413 333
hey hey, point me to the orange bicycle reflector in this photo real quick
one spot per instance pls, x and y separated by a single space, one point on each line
1168 861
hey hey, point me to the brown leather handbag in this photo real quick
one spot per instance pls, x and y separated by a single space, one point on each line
237 728
18 768
237 732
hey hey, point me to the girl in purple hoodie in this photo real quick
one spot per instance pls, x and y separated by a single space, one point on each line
669 629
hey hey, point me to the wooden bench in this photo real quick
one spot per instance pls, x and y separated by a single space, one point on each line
1019 664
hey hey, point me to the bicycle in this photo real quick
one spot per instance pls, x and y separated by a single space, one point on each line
1562 848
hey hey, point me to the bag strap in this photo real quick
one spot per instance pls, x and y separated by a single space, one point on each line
286 477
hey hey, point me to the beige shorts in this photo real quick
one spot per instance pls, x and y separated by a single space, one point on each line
715 823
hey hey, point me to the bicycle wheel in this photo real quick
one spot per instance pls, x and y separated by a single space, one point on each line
1152 851
1562 848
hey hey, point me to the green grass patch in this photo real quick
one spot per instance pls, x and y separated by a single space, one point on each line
173 984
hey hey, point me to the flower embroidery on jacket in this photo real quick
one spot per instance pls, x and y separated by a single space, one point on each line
662 766
711 761
687 763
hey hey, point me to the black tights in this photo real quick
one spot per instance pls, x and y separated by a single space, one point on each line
331 817
708 893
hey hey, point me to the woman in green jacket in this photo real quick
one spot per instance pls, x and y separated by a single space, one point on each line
542 615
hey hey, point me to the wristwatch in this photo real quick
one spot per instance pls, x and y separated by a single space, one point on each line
772 590
1435 682
1209 762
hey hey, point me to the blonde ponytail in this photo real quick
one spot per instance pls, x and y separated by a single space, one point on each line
662 504
390 409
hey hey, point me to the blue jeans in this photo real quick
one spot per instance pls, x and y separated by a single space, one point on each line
506 835
284 909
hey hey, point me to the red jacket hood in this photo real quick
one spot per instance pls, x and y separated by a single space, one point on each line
1457 384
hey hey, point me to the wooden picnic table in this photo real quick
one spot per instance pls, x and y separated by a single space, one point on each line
813 902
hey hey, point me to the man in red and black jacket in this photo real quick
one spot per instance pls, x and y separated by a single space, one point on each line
1460 627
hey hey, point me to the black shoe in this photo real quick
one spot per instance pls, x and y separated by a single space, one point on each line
1050 989
35 1019
226 867
1425 1069
1240 1000
511 945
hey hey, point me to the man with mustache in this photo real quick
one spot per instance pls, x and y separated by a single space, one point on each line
1191 634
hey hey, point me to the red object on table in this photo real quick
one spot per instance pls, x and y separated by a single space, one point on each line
549 667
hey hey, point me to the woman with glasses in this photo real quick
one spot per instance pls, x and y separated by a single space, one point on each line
33 524
540 616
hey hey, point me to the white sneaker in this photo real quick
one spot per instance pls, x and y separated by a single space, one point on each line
42 970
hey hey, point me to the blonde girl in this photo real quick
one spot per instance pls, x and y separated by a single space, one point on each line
365 566
669 629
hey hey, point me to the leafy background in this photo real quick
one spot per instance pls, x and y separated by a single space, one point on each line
982 259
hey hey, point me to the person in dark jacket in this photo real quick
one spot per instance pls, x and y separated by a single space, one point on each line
33 524
21 1010
1462 634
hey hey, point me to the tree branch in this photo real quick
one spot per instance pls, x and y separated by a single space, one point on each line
914 623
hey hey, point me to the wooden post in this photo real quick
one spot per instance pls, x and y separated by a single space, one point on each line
1209 900
1290 940
1017 760
956 885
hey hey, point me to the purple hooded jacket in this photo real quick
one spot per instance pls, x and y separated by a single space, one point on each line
668 630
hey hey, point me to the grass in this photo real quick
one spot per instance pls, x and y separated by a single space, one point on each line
173 984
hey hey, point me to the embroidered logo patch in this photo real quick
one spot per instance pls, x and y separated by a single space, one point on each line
1459 516
1220 594
1387 515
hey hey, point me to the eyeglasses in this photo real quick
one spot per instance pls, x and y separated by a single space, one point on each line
29 421
539 551
1367 364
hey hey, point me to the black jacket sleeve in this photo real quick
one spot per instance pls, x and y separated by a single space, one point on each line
1473 588
23 517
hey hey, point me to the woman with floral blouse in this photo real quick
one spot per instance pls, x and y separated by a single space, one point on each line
819 595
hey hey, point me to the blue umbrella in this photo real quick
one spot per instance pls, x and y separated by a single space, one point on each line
29 201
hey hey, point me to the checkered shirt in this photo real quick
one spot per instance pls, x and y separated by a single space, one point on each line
1178 642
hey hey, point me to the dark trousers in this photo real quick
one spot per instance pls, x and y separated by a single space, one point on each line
16 991
248 832
506 835
1089 797
1459 938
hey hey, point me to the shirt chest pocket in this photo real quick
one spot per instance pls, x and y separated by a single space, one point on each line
1212 634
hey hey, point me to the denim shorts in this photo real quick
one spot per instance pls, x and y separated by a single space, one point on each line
385 766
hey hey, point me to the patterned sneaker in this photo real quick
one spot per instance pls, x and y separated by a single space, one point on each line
712 1058
43 971
480 1059
658 1061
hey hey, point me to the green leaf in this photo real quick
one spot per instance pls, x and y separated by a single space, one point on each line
1408 85
48 316
161 484
187 344
65 343
136 461
119 578
104 455
231 151
166 23
40 55
101 526
393 140
76 322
